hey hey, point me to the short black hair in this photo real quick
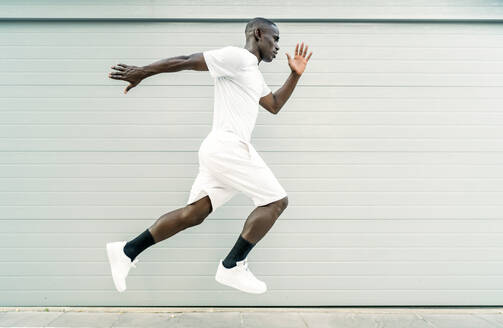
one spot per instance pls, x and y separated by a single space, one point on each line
260 22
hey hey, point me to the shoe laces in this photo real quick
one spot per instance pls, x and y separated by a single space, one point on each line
245 265
246 269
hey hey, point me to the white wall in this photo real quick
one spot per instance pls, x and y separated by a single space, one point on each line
390 150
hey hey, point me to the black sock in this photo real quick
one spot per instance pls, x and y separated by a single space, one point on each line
238 252
139 244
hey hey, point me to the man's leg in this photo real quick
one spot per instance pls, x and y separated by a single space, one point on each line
256 226
168 225
262 219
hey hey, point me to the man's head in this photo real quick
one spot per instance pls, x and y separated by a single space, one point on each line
263 35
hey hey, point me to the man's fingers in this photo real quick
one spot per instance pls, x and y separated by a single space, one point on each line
115 75
123 65
305 51
301 47
119 68
307 59
297 50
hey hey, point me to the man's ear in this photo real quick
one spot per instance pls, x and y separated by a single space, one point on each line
257 33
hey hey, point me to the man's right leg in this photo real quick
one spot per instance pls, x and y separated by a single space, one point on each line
121 254
168 225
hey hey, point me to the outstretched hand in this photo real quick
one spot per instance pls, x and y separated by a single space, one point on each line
129 73
299 61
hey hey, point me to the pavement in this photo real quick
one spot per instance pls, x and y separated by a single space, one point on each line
263 317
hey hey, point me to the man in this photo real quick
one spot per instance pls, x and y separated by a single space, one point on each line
228 163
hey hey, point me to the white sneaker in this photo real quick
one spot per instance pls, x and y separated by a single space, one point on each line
240 277
120 263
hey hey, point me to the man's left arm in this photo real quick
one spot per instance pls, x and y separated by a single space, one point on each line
274 101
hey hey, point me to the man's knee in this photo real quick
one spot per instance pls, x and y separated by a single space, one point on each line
284 203
191 216
196 212
281 204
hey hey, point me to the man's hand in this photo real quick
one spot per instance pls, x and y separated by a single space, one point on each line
299 61
129 73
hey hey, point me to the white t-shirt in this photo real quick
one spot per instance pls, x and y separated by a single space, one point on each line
239 85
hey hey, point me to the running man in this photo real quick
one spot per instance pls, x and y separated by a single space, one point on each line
228 163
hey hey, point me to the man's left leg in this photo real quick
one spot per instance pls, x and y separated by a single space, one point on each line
256 226
235 272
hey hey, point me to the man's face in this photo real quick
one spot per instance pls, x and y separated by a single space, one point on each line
269 43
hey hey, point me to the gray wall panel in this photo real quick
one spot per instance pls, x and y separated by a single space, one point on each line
390 150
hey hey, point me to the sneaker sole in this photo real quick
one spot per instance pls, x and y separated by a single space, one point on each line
229 284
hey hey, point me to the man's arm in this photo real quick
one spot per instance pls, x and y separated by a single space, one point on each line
135 74
194 62
274 101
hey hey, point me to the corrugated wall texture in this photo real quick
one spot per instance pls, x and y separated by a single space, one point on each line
390 149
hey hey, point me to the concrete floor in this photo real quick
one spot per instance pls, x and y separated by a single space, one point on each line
322 317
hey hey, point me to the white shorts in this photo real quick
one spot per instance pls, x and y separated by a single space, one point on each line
228 165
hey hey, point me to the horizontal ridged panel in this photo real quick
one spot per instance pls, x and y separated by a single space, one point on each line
323 52
389 9
290 171
329 212
231 297
269 254
174 103
326 79
283 157
170 131
206 269
185 39
172 198
149 283
262 144
14 68
293 184
285 225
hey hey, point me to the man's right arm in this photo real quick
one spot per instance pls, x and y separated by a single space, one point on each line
135 74
194 62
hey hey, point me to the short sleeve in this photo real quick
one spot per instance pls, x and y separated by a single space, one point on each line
224 61
265 90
